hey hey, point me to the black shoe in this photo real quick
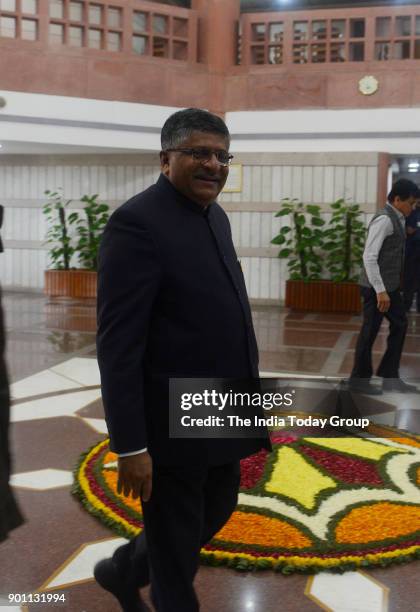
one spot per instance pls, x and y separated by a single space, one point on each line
363 385
398 385
107 576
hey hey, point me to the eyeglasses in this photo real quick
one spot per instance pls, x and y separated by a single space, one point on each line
204 155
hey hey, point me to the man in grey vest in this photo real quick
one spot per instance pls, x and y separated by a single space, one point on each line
380 281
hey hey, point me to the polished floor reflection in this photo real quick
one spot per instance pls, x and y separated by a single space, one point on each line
57 415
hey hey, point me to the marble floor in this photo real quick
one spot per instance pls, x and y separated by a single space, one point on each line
57 415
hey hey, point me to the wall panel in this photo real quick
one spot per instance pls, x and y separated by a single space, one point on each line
314 178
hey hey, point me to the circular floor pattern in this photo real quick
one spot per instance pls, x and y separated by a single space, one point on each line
313 504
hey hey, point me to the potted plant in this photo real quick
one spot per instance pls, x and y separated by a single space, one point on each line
323 263
71 235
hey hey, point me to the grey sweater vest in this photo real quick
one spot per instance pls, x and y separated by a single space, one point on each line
391 255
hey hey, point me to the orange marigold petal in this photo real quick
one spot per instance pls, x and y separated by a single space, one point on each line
390 435
418 476
377 522
262 530
111 477
110 457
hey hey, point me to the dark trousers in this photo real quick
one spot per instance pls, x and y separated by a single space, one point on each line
372 319
412 276
187 508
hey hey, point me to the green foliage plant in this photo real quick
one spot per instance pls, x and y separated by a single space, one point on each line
301 242
58 233
344 240
90 229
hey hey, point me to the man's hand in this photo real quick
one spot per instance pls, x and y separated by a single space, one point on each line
135 476
384 301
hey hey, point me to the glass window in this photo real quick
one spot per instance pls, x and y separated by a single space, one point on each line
338 28
180 50
57 9
257 54
160 47
319 30
300 30
8 27
114 41
338 52
180 27
140 45
75 36
418 25
402 49
258 32
29 7
357 52
417 49
403 26
318 54
383 27
357 28
139 22
383 51
275 54
95 14
76 11
56 33
276 32
29 29
94 39
300 54
8 5
114 17
160 24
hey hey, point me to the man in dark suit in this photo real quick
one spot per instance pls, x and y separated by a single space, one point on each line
172 303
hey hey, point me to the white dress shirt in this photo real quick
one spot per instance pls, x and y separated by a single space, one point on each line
379 229
143 450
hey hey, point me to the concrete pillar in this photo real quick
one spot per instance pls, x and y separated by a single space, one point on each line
217 43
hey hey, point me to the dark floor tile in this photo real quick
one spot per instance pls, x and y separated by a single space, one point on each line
332 317
225 590
308 361
94 410
56 526
410 364
30 352
403 582
56 443
321 325
411 344
324 339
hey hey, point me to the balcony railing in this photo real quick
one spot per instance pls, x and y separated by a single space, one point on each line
135 27
331 36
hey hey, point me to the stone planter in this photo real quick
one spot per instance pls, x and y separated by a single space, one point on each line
323 296
70 283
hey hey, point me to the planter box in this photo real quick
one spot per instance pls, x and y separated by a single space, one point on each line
70 283
323 296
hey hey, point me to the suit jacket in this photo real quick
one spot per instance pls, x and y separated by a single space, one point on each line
172 302
10 516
